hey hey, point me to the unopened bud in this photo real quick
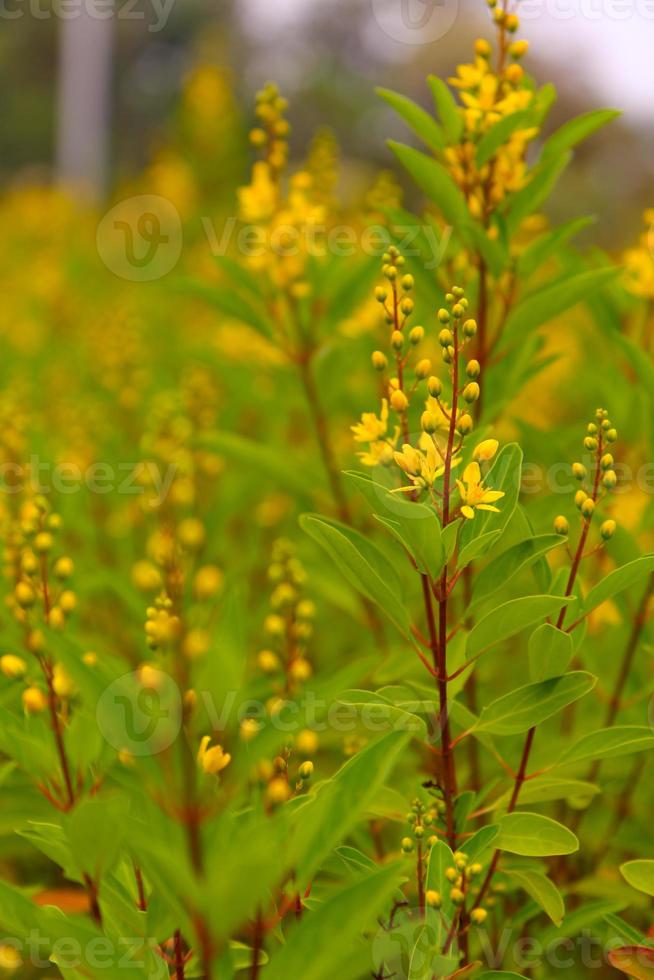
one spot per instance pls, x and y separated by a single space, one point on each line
417 335
607 530
434 386
471 392
399 401
379 361
561 525
423 368
473 369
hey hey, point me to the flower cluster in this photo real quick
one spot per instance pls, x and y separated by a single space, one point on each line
488 95
429 460
596 483
289 624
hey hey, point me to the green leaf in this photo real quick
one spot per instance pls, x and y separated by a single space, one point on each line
420 121
419 531
481 841
548 244
506 475
432 178
635 961
550 652
618 581
542 890
510 618
447 108
577 130
640 875
329 815
623 930
529 706
554 299
533 835
544 789
501 570
498 134
343 917
363 565
477 548
530 197
609 743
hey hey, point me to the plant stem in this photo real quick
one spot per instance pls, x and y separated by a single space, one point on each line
319 420
57 730
257 944
179 956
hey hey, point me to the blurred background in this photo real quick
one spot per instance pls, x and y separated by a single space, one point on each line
92 89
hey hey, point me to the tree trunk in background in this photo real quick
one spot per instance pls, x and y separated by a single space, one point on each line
84 100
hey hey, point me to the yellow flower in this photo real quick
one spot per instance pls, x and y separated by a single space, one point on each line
473 493
371 428
374 430
423 466
212 760
259 199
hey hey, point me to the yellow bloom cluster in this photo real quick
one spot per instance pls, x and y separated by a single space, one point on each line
488 95
288 625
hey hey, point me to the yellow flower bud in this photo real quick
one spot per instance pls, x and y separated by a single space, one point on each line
482 48
379 361
464 425
68 601
485 451
208 581
561 525
306 770
471 392
435 387
25 595
445 338
588 507
63 568
578 471
407 282
43 542
433 899
34 700
607 530
423 368
610 479
417 335
469 328
457 896
473 369
478 916
278 791
306 742
397 340
212 760
399 401
191 533
13 666
443 315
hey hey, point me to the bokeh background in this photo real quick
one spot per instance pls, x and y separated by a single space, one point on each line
97 96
